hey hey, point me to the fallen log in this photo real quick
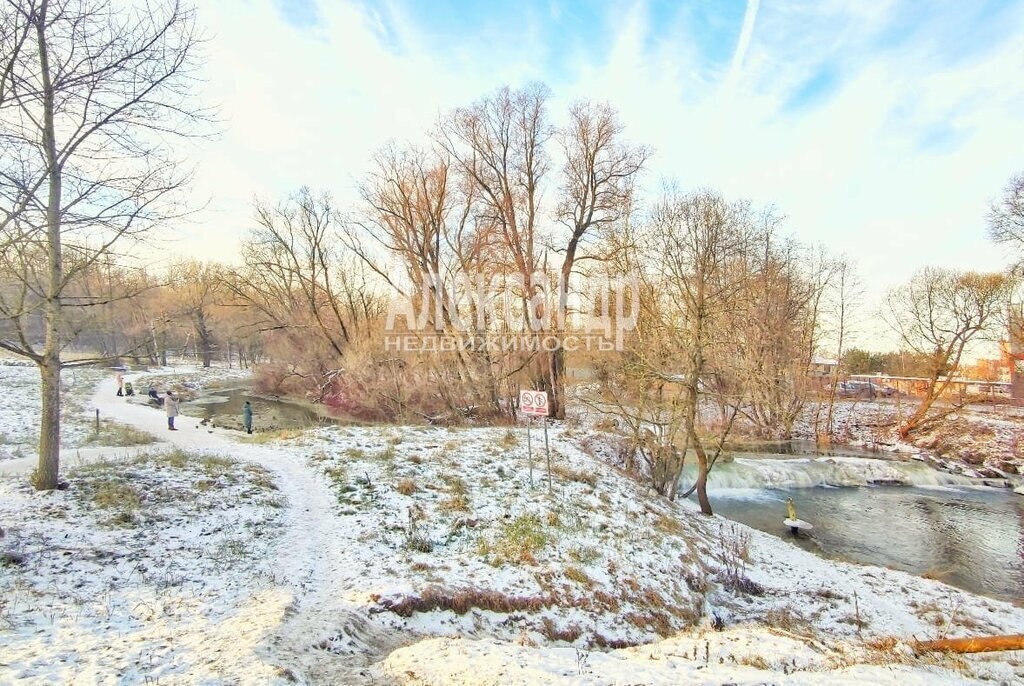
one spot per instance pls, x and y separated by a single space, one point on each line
980 644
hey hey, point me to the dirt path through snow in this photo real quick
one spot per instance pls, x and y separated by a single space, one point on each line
323 638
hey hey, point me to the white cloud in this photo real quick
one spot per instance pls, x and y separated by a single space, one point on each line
310 107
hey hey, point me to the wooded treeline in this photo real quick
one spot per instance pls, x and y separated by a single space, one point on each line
722 323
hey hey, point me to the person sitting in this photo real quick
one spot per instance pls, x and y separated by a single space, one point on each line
154 396
128 389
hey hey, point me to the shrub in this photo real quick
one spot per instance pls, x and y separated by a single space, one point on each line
406 487
552 632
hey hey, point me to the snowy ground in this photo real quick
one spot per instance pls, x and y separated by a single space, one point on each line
424 556
19 411
151 569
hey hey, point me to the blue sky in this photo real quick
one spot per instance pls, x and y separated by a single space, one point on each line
879 128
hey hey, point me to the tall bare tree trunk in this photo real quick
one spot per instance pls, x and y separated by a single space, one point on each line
49 366
205 337
702 473
46 476
693 404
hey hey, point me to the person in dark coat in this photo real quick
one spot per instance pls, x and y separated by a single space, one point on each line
247 417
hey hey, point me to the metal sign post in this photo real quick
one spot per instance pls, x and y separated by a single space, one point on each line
535 404
547 452
529 447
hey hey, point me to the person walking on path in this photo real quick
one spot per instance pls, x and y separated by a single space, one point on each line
120 385
247 417
171 406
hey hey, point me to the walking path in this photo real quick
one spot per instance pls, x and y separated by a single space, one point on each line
310 565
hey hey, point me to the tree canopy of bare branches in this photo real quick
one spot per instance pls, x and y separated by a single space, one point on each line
1006 216
937 314
91 98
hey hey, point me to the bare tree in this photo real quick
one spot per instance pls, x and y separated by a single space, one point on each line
92 102
1006 216
844 295
300 283
703 241
937 315
499 144
597 192
418 214
198 288
781 329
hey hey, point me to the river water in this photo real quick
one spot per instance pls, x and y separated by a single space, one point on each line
224 408
938 524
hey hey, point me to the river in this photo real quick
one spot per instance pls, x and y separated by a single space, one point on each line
940 525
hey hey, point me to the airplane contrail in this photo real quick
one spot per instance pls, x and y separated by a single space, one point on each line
743 43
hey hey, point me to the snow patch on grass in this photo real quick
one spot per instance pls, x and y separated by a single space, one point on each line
22 405
147 570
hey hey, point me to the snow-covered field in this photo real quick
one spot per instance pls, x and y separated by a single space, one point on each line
19 411
154 569
424 556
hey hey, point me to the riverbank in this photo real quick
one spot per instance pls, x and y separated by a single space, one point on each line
424 555
983 441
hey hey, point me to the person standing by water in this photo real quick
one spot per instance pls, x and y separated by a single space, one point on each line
171 406
247 417
120 384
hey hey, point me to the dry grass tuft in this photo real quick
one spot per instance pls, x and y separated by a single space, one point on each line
508 440
117 494
117 434
462 601
552 632
567 473
579 576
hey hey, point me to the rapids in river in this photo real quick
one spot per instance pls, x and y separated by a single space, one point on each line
945 526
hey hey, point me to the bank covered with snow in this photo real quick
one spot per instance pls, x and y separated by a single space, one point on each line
424 555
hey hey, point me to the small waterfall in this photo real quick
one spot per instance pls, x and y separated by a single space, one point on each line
749 472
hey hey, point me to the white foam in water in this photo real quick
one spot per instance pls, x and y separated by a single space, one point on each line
804 472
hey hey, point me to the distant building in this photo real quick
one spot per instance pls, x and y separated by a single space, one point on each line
822 366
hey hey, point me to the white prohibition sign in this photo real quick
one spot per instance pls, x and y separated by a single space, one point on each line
534 403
